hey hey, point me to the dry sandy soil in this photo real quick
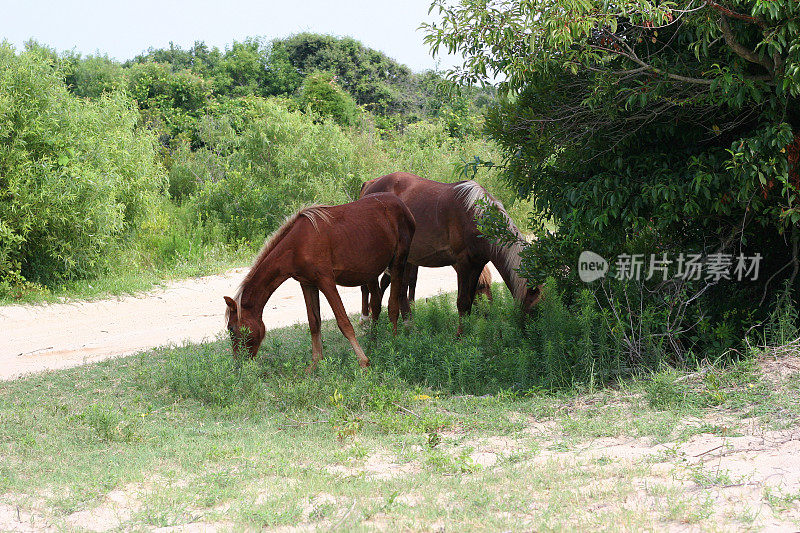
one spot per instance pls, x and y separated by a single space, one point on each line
48 337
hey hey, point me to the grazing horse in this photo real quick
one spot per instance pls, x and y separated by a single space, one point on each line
447 234
321 247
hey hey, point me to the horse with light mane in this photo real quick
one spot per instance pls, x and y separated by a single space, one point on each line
447 234
321 247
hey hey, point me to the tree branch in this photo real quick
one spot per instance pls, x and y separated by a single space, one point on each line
734 15
739 49
630 54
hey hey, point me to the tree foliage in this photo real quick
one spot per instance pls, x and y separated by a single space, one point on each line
643 125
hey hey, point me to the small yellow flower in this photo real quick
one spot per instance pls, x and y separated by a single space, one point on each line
422 397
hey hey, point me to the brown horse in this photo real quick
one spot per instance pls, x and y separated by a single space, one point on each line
447 234
322 247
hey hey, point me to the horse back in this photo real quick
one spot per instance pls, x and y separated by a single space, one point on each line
445 228
358 240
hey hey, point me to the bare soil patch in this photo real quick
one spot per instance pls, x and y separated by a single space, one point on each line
63 335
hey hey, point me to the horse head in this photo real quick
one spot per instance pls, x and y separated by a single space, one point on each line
246 329
531 298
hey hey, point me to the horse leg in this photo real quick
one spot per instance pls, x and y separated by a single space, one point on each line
330 292
407 296
376 296
411 272
311 295
396 295
365 294
468 275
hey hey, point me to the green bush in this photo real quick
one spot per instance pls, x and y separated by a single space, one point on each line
278 161
171 102
75 174
95 75
321 94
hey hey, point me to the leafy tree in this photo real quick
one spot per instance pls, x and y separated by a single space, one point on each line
175 56
662 125
200 59
171 102
94 75
242 70
371 77
282 77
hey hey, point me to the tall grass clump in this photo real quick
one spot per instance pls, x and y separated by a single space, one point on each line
563 345
558 347
212 375
783 325
276 381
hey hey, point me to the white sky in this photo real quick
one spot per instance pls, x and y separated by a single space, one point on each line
123 28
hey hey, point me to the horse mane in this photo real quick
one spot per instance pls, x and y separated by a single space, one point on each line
471 193
314 213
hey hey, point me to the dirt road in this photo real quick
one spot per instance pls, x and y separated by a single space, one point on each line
49 337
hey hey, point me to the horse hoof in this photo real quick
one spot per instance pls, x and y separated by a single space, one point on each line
363 363
310 369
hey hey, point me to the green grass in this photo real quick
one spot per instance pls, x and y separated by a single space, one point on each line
189 434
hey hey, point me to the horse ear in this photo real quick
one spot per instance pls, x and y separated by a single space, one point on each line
231 303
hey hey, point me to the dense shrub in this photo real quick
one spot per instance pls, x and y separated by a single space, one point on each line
74 174
277 162
171 102
321 94
93 76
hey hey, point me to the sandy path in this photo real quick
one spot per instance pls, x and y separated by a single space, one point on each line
48 337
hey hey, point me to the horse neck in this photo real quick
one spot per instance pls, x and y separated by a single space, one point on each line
506 260
262 281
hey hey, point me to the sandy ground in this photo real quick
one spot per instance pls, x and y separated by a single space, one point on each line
34 338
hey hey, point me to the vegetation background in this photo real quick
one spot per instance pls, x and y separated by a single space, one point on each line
178 162
638 126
